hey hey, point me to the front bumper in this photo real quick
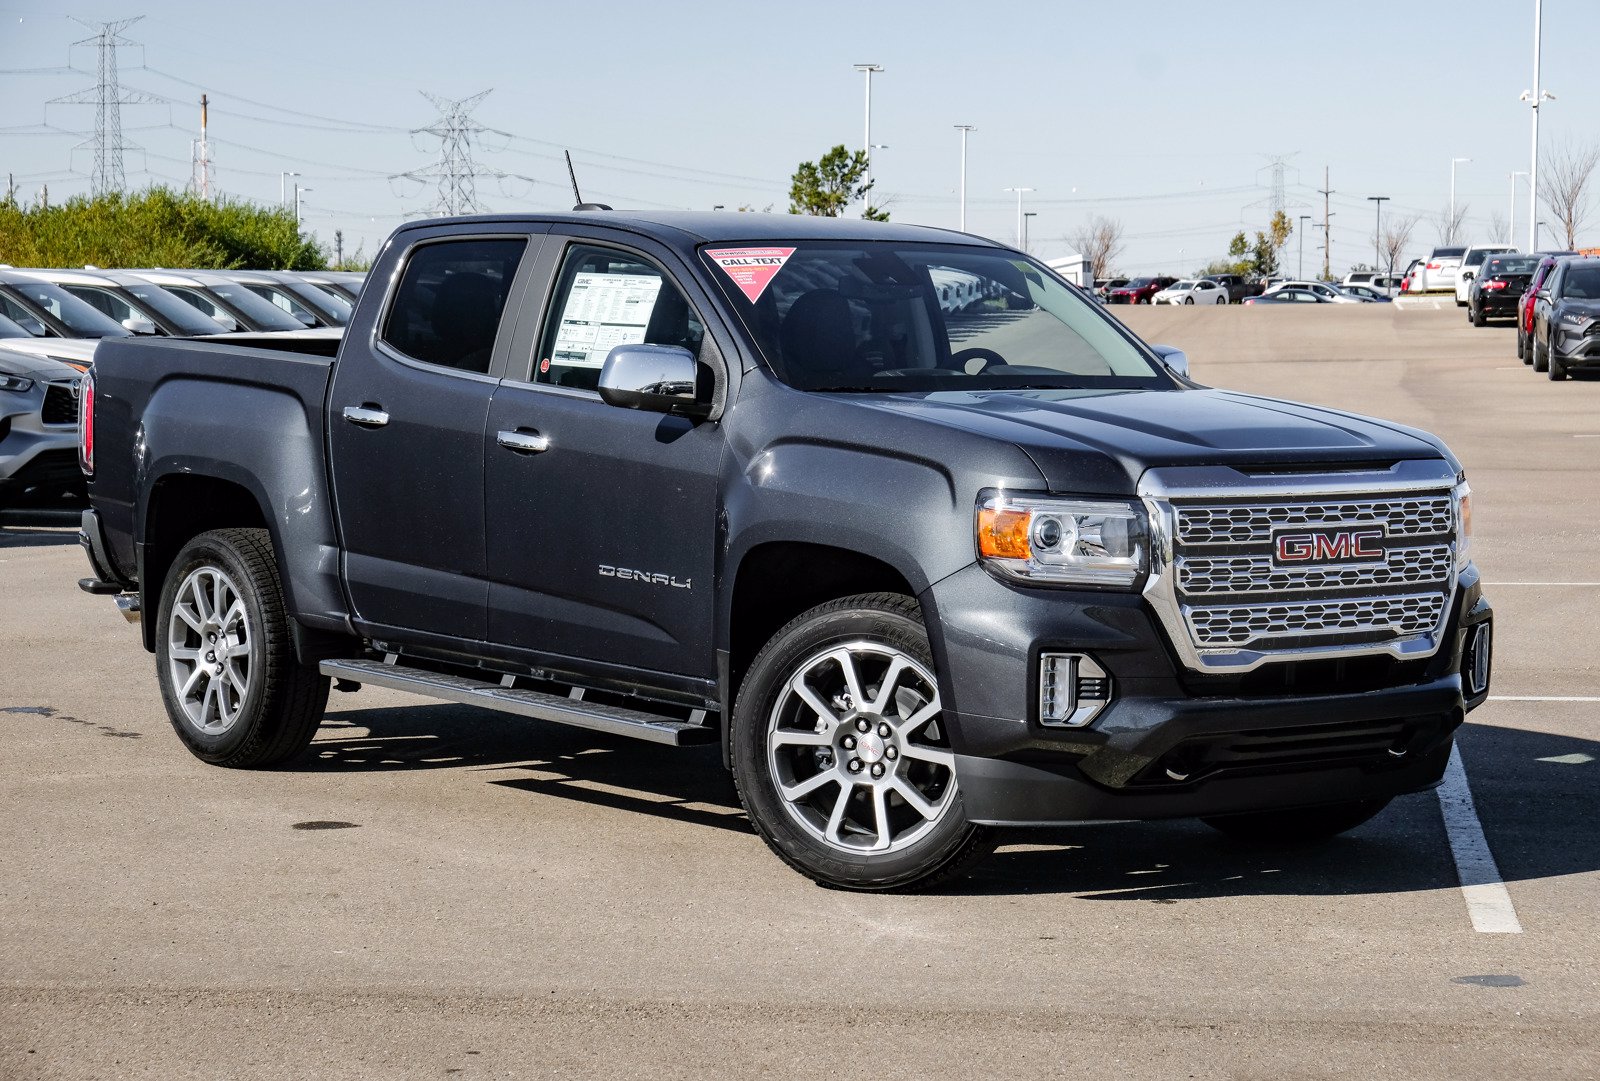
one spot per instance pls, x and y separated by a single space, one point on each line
1577 348
1173 743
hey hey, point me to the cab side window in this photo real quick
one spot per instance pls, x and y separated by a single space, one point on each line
605 298
446 309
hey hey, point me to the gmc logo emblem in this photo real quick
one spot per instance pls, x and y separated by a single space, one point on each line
1330 546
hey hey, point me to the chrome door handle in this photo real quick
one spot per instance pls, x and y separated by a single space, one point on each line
524 442
366 417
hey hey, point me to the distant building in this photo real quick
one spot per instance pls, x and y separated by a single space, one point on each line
1074 267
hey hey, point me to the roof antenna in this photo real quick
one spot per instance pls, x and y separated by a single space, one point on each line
571 173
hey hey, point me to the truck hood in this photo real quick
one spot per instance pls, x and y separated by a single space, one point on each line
1101 442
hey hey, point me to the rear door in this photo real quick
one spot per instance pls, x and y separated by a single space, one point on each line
602 546
407 415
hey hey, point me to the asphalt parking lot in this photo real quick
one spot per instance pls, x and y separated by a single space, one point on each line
442 891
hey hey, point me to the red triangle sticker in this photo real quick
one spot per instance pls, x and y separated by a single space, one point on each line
752 269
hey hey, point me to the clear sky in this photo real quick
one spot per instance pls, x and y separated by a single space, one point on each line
1161 114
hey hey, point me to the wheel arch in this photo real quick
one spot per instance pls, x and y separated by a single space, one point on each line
778 580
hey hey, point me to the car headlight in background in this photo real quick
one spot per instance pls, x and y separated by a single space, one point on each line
15 382
1463 501
1050 540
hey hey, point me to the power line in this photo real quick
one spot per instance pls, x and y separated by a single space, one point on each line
108 98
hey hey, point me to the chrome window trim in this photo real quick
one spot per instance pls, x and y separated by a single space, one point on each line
1160 489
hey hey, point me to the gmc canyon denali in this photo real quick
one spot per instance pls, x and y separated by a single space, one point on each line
922 568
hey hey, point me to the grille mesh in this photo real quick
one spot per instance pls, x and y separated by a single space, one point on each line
1241 625
1208 575
1251 524
60 405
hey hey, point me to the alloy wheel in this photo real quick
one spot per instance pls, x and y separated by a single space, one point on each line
209 642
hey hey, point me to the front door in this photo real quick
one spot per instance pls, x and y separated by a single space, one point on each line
407 415
602 543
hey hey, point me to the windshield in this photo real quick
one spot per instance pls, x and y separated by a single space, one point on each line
72 313
1582 283
326 299
1502 265
884 317
1178 287
1448 253
183 316
253 309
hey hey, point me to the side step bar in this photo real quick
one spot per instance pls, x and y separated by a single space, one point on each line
617 720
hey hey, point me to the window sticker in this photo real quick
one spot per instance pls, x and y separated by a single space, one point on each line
752 269
603 311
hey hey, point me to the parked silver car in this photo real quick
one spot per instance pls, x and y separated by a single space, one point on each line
38 430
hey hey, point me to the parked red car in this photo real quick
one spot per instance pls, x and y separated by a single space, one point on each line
1138 290
1525 306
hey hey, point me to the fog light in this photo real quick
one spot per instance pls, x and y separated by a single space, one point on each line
1073 689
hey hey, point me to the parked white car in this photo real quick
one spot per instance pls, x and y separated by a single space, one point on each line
1322 289
1192 291
1438 271
1471 260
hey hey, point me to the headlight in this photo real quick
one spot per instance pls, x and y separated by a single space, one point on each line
1463 502
1068 541
15 382
1577 319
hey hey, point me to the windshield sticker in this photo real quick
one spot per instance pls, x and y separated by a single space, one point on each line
751 269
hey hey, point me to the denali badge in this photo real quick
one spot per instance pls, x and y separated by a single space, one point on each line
629 575
1329 546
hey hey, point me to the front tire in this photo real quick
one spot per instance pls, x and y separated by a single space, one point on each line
234 690
1541 356
841 752
1555 367
1306 825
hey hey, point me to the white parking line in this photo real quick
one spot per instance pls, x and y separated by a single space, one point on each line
1490 585
1488 903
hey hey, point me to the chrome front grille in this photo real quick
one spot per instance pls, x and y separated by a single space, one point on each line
1205 575
1232 595
1237 626
1253 523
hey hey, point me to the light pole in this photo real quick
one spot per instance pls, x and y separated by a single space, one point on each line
1377 228
1025 224
298 191
964 129
283 193
1452 223
1511 222
1019 192
866 140
1534 97
1302 231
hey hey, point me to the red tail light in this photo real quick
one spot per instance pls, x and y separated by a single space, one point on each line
1494 286
1433 266
86 426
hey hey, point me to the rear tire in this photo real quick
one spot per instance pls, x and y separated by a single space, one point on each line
851 807
1522 347
1478 318
234 690
1306 825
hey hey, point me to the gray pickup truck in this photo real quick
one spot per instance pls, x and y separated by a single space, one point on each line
923 539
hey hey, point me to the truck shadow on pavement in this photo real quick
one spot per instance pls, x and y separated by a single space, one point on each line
685 784
1537 815
1535 794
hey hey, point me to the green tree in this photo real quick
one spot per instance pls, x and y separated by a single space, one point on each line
823 188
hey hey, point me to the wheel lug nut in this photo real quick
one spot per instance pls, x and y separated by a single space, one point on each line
877 769
855 765
219 669
890 753
884 730
862 725
849 743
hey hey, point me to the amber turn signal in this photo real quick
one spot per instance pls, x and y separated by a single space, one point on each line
1003 534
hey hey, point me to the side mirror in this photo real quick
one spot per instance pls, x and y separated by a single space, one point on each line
1175 359
1466 275
227 322
138 324
656 378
